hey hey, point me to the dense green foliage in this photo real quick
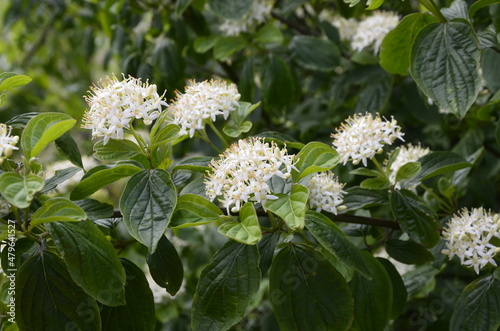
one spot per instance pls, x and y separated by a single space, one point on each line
142 213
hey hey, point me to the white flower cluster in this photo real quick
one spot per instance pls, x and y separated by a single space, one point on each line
468 236
347 27
202 102
257 14
113 105
242 172
363 136
408 153
372 30
325 193
7 142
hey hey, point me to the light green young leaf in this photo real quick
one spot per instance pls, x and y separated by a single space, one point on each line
147 204
193 210
315 157
291 208
18 190
408 171
247 231
269 33
226 287
89 256
57 210
307 293
94 181
444 64
42 130
225 47
9 80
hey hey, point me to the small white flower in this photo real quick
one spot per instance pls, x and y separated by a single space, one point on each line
408 153
203 102
373 29
468 236
347 27
7 142
242 172
325 192
113 105
258 13
363 136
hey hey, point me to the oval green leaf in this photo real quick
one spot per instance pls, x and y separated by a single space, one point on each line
315 53
291 208
307 293
445 63
19 191
247 231
89 256
94 181
46 297
226 287
42 130
57 210
193 210
147 204
315 157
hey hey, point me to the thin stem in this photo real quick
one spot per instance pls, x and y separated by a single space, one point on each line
219 134
433 8
273 221
204 137
139 139
379 167
449 208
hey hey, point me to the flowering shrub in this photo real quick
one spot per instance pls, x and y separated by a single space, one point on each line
260 164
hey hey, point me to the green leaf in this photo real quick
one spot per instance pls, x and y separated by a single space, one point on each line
357 198
139 311
193 210
236 125
372 297
116 150
458 9
226 287
315 53
247 231
399 293
315 157
18 190
204 44
3 99
197 163
365 172
94 209
491 70
478 307
480 4
487 38
225 47
331 237
57 210
166 267
9 80
408 171
42 130
94 181
415 218
374 4
147 204
375 94
418 278
307 293
46 297
408 252
91 259
277 84
20 121
166 135
59 177
268 34
266 246
378 183
231 9
16 254
67 146
445 62
181 6
291 208
438 163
